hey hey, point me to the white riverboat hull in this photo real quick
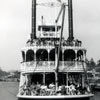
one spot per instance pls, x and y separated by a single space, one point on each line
63 97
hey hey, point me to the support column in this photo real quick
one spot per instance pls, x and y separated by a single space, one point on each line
34 55
84 58
44 78
27 79
84 55
67 83
83 79
56 57
63 58
76 58
35 63
56 80
25 54
48 58
67 78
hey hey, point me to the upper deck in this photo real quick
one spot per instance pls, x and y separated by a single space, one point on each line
41 53
41 56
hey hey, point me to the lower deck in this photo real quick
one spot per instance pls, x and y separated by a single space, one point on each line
45 78
52 84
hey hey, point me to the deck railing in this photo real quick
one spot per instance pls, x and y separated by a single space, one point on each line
51 65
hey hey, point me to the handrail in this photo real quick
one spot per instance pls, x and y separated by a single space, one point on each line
50 63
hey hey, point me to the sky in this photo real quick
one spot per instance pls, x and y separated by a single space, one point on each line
15 27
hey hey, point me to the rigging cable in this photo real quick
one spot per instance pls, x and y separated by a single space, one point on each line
86 74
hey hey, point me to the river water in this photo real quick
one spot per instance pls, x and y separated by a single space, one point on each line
96 95
9 90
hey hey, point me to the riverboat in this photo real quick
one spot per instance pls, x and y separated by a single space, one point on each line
52 67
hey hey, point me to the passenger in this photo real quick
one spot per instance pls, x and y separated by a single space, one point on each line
25 89
78 92
43 87
21 91
72 89
59 87
33 92
38 88
78 86
33 86
67 90
87 88
63 90
53 90
51 85
84 90
33 89
42 92
59 92
48 91
28 92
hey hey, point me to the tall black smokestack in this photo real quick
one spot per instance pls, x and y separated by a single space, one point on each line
70 20
33 34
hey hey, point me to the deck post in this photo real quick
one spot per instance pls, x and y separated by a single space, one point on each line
83 80
67 81
56 80
35 64
44 78
67 78
48 58
76 58
63 58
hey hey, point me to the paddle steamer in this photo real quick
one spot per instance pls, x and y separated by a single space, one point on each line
53 67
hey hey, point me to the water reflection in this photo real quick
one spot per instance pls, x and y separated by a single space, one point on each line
96 95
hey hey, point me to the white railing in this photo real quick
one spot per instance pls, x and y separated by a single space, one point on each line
38 66
69 63
50 66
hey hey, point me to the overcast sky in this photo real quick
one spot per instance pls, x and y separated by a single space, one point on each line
15 27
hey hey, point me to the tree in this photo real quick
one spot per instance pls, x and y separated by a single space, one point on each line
98 63
98 66
3 73
91 64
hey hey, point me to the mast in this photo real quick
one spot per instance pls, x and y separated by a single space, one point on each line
70 20
33 34
59 47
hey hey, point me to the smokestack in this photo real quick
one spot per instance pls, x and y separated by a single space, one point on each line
70 20
33 34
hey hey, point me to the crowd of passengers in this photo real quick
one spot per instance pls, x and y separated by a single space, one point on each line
40 42
44 90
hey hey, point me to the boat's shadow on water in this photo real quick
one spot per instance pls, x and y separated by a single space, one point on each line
96 95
